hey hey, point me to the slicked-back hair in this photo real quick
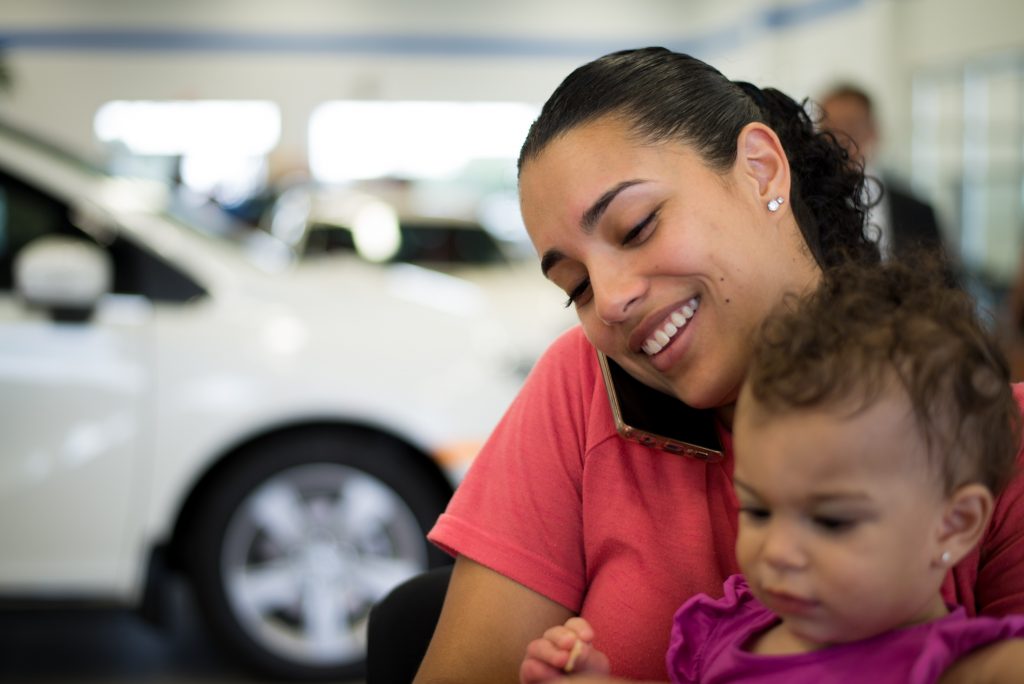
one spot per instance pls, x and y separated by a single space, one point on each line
669 96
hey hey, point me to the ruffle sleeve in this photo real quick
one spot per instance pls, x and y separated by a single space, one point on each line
703 622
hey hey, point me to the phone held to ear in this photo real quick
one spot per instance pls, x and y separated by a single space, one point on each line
645 415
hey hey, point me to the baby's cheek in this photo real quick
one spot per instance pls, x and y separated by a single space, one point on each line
747 545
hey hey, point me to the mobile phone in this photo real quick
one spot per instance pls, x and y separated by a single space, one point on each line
645 415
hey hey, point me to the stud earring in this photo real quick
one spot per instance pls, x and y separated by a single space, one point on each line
773 205
945 558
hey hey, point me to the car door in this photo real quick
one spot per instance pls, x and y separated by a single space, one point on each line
75 401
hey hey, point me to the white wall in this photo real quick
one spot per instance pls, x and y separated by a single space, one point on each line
877 42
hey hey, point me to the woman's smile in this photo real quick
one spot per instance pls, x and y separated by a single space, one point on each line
665 333
653 250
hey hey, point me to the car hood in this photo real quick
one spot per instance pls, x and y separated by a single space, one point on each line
513 297
389 299
530 307
399 311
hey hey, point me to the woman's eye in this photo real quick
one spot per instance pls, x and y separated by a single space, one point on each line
638 230
577 292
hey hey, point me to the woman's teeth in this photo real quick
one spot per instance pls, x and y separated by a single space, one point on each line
663 335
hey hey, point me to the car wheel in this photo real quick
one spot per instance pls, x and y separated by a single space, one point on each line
299 538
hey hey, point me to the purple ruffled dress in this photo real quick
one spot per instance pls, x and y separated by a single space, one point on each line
708 635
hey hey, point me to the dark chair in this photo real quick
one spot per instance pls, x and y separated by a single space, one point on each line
401 625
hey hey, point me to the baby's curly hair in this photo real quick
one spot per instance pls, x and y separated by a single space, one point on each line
869 328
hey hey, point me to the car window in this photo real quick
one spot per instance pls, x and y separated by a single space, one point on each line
422 243
139 271
425 243
26 213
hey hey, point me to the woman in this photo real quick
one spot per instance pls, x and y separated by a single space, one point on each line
675 208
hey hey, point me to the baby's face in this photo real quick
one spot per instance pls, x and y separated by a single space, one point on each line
840 519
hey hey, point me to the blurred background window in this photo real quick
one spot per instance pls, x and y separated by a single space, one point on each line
446 172
358 140
967 151
217 148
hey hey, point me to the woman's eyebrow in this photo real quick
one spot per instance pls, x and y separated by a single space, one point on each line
550 258
589 220
592 215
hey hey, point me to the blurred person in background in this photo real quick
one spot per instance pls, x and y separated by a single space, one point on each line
901 221
1011 324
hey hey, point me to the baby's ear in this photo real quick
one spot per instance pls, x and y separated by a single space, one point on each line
964 520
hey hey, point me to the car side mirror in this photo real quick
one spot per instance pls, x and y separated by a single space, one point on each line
63 275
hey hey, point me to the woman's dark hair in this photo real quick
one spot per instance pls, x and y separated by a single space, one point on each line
668 95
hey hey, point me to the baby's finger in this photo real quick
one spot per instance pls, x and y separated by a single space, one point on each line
561 636
581 627
545 651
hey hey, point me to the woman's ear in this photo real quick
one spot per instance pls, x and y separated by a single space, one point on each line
761 159
964 520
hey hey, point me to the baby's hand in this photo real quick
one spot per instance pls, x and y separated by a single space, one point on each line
563 649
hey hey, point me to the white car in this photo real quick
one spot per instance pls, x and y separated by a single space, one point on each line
282 437
393 225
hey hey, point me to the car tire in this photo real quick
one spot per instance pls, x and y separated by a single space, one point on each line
297 539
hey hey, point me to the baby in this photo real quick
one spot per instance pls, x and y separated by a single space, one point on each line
875 427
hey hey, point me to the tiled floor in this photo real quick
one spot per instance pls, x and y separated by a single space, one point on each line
111 647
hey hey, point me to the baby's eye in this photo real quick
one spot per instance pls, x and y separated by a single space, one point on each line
834 524
755 514
577 292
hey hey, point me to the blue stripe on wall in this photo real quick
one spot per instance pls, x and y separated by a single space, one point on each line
171 40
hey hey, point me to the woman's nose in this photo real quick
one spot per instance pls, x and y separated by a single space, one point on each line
616 292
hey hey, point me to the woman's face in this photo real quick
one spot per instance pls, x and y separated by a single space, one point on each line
670 265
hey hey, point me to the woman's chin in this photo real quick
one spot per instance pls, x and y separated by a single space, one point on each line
704 395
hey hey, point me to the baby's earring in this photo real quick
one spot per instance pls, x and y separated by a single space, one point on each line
773 205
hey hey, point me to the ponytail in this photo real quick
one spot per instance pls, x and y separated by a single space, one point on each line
827 194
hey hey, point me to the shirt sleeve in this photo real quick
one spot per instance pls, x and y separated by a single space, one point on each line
518 511
999 589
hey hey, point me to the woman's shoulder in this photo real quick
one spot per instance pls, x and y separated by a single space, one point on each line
1018 394
563 392
570 347
568 364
